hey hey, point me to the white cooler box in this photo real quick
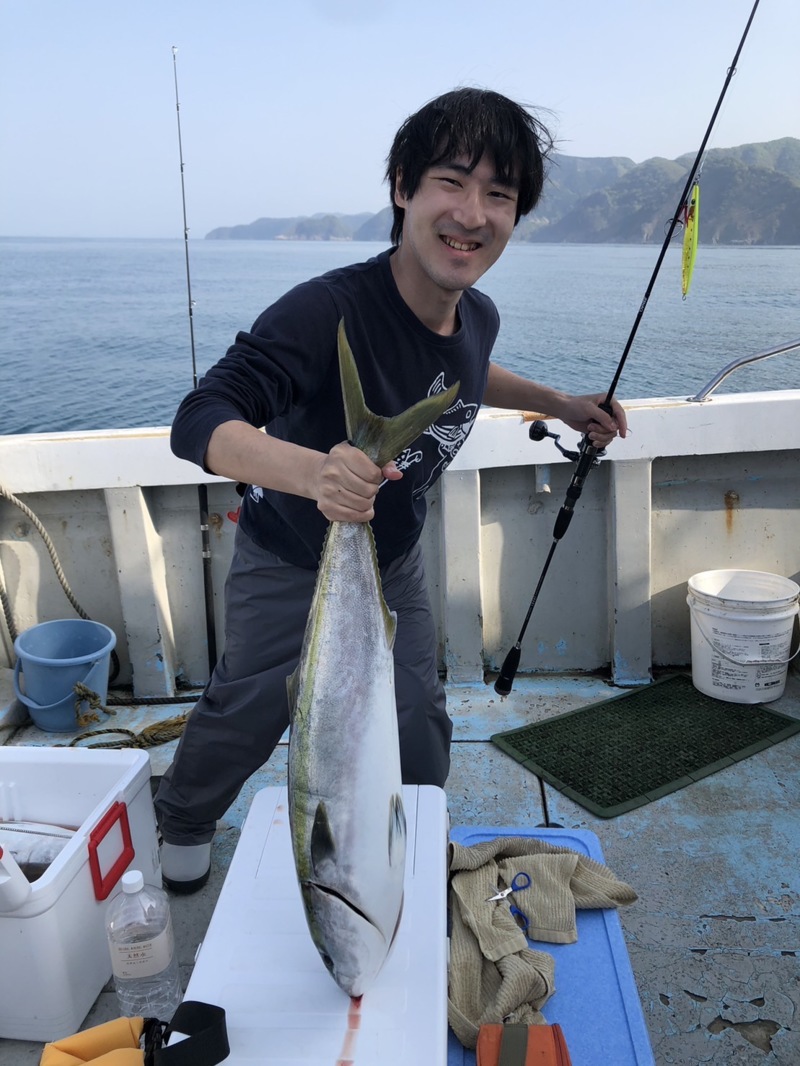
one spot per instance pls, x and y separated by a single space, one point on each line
258 960
54 958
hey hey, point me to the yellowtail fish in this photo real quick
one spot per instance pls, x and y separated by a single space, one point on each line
345 788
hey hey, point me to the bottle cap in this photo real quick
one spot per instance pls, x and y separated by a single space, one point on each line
132 881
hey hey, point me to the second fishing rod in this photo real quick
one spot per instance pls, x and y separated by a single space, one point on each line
588 455
202 488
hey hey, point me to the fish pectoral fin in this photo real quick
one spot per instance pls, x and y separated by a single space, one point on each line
323 847
397 830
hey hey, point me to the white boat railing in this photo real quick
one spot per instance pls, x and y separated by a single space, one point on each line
745 360
694 487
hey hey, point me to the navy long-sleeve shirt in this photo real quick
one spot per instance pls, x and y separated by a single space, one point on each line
284 375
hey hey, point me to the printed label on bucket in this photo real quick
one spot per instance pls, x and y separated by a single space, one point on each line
737 678
748 649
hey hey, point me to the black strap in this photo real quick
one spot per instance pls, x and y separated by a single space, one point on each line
206 1041
514 1046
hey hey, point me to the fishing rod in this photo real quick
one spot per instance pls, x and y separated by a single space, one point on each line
588 455
202 489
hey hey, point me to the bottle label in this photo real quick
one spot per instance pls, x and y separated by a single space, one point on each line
143 958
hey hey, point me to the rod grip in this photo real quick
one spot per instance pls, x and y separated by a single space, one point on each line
505 679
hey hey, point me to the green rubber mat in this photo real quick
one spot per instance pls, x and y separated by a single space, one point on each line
622 753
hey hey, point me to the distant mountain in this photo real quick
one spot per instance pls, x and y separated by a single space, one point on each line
750 195
319 227
571 178
626 210
376 228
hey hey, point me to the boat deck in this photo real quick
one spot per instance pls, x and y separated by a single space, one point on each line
714 939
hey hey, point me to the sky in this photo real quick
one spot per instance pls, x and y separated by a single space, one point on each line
289 108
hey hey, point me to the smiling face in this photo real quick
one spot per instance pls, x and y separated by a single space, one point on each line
456 226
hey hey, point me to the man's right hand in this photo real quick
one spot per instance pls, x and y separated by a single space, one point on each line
348 483
343 482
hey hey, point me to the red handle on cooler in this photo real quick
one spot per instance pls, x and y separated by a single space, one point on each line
116 813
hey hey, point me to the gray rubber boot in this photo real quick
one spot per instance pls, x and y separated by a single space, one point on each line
185 867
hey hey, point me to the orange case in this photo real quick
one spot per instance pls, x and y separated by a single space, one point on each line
521 1045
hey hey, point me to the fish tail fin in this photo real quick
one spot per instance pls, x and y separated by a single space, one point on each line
383 439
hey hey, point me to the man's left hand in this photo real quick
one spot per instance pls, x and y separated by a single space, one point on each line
584 414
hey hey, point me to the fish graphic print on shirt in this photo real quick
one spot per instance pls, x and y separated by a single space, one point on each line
448 434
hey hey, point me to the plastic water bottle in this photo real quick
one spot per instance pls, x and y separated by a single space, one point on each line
142 946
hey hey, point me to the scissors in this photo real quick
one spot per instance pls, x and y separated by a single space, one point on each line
520 881
520 918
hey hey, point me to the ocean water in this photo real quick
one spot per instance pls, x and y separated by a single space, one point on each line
95 334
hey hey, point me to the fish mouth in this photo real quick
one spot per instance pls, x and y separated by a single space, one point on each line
459 246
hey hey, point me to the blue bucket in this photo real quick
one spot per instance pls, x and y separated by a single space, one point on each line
53 657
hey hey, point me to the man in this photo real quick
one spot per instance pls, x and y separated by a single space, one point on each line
462 172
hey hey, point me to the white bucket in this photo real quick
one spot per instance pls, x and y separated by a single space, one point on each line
742 622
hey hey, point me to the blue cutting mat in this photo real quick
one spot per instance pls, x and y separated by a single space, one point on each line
596 1001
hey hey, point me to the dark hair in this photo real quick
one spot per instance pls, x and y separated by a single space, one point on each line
470 122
